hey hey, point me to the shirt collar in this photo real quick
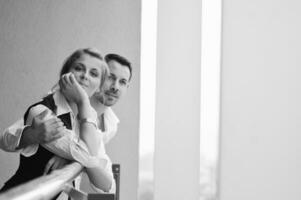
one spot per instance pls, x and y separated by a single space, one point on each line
111 116
61 103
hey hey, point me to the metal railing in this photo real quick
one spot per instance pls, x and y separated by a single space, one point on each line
44 187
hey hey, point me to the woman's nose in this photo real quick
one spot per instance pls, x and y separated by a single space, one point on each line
84 75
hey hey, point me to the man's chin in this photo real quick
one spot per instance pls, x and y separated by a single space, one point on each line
109 102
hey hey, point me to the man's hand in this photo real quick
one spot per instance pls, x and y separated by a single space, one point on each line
47 130
42 130
54 163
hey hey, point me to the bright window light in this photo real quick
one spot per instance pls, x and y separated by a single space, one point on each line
210 97
147 98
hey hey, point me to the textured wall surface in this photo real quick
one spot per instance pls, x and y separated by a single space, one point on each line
260 116
177 152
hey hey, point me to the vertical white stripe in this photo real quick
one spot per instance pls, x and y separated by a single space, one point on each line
210 96
147 97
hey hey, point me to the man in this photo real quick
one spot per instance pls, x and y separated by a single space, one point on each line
114 88
26 138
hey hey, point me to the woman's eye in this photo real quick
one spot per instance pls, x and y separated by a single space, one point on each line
94 74
77 68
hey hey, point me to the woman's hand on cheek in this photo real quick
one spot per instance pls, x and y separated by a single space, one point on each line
72 89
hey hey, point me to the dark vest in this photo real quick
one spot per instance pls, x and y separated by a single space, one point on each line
33 166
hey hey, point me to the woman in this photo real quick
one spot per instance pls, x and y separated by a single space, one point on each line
82 76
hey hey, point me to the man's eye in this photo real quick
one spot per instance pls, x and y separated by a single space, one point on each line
123 82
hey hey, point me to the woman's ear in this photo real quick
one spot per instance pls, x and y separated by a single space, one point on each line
97 90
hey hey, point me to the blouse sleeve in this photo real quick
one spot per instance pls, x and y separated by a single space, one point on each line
10 138
69 146
107 166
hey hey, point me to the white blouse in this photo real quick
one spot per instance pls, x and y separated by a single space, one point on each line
69 146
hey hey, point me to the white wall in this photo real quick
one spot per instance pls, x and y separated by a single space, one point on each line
260 115
177 129
36 36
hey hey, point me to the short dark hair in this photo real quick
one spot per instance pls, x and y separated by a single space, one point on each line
121 60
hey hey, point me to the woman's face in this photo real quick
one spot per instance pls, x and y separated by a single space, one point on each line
87 71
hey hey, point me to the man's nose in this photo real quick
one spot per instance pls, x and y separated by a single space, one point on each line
114 86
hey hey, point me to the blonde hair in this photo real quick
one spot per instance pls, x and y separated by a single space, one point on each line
86 51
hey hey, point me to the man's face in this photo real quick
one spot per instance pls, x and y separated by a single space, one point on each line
116 83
